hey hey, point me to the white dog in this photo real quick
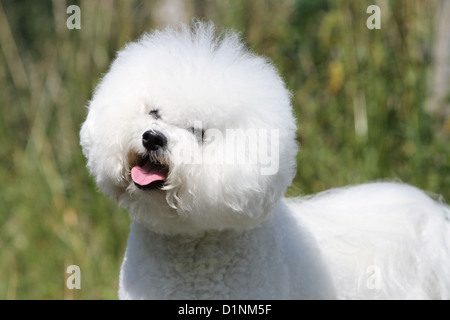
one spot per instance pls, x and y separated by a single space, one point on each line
195 137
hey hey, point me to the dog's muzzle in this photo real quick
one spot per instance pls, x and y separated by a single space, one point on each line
150 172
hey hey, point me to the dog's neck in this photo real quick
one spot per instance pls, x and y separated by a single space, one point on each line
186 266
199 246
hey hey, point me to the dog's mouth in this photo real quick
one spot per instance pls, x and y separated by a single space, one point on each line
149 173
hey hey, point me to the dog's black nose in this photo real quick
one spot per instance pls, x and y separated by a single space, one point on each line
152 140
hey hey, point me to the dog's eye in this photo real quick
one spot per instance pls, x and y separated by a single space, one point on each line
199 134
155 113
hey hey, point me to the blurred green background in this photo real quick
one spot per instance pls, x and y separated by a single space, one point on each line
371 104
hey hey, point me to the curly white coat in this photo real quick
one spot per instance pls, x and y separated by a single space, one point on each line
218 229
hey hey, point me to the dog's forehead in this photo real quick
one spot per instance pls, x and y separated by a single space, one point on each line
191 98
224 88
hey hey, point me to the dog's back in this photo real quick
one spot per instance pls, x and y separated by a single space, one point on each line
381 240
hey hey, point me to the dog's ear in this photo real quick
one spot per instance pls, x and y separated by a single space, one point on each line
106 173
87 141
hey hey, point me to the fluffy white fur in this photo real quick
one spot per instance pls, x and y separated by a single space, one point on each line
216 230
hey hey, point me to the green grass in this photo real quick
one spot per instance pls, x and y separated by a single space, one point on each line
359 96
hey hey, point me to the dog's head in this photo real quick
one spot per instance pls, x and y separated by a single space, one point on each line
189 131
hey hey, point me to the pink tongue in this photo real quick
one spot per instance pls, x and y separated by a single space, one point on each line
147 174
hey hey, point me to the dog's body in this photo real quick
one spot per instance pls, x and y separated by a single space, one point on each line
195 136
374 241
381 240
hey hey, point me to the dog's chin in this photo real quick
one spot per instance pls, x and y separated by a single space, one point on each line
155 185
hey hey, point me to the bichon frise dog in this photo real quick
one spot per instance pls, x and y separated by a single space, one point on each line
195 137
